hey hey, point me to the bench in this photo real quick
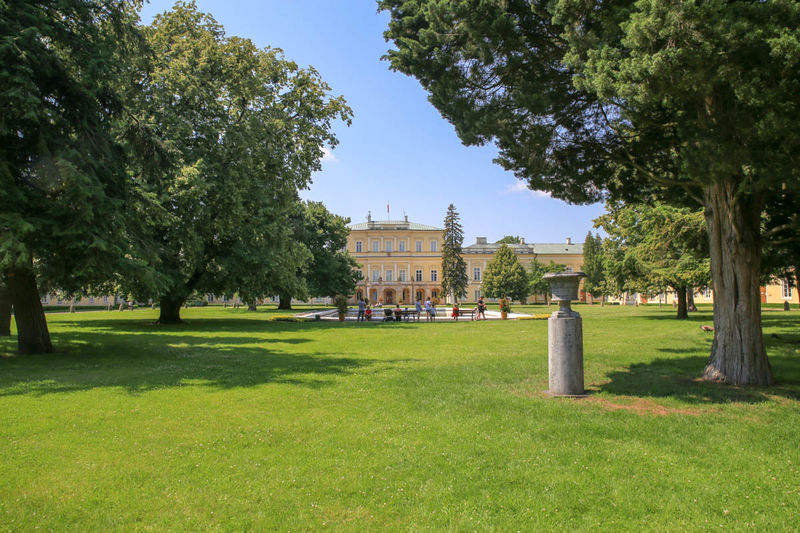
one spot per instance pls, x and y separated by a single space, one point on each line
468 312
410 313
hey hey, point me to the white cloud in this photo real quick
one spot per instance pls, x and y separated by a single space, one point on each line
521 186
327 156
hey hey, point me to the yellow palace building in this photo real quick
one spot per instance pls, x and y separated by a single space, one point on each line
401 261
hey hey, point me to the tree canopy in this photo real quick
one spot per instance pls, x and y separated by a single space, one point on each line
510 239
536 282
63 187
504 276
650 247
691 102
330 270
594 282
238 131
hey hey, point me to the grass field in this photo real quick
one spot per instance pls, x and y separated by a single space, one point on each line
235 422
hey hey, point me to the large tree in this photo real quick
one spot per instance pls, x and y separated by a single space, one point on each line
690 101
505 277
454 268
652 246
330 269
63 188
235 132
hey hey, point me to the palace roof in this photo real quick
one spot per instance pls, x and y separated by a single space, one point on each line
392 225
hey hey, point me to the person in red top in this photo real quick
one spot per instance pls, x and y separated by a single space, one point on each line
455 312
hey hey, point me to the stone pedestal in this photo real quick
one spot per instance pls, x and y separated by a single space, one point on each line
565 337
565 353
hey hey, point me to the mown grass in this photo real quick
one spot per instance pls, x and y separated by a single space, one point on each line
235 422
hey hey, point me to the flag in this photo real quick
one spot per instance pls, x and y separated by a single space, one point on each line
387 209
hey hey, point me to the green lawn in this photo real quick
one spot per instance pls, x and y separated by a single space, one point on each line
235 422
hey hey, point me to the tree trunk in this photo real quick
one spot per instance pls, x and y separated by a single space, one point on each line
797 283
5 312
32 333
251 306
681 303
170 310
284 302
690 306
738 355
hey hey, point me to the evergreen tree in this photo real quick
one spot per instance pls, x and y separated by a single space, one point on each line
63 188
594 282
454 268
694 102
505 277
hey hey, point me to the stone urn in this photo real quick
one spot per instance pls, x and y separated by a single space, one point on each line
564 286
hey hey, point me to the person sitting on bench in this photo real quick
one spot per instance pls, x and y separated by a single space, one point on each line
398 313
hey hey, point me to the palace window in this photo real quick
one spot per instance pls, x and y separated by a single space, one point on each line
105 299
210 298
401 246
434 245
477 295
786 289
376 246
401 275
419 246
707 292
91 299
418 275
375 275
434 275
476 273
358 246
388 275
387 245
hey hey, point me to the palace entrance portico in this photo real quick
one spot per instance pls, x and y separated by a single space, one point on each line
404 294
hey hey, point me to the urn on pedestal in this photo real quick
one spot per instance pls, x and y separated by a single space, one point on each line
565 336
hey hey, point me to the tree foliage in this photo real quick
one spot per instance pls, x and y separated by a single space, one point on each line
536 282
63 188
510 239
687 101
504 276
454 268
594 282
235 131
330 270
650 247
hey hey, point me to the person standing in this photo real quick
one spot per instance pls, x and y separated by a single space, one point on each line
428 307
481 308
419 308
362 307
455 312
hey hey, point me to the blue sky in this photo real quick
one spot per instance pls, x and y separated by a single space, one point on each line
398 150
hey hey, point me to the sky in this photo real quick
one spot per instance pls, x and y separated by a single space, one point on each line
398 151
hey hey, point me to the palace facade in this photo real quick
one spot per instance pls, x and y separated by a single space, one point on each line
401 261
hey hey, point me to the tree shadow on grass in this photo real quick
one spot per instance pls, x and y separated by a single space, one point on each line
680 378
130 355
